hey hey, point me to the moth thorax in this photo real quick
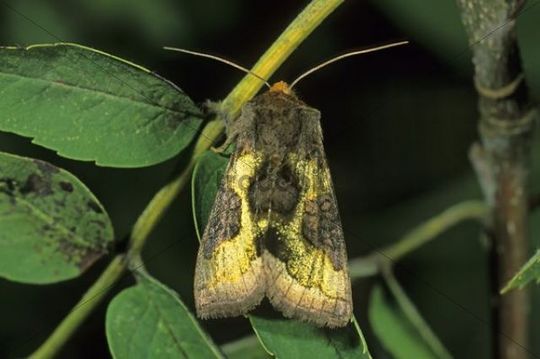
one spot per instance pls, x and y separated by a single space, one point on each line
279 125
276 189
275 159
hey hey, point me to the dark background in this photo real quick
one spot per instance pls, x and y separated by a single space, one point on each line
397 127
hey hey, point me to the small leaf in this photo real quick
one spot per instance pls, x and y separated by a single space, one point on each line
402 337
286 338
205 183
52 228
91 106
149 321
529 272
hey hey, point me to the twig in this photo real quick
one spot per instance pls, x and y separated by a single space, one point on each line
420 235
82 309
506 124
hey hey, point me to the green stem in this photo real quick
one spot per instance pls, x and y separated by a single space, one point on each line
161 201
82 309
422 234
288 41
434 227
294 34
146 222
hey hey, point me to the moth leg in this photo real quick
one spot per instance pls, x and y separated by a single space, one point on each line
223 147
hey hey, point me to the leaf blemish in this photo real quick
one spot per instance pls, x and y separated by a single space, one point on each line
82 257
89 259
46 168
94 206
66 186
7 186
37 184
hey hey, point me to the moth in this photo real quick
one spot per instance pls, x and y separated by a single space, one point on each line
274 230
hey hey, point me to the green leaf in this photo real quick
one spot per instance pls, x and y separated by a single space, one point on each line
401 329
149 321
529 272
205 183
91 106
245 348
286 338
52 228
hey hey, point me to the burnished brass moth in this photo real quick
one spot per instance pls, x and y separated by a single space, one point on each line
274 229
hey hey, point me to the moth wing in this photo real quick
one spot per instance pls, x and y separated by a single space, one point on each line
229 276
306 260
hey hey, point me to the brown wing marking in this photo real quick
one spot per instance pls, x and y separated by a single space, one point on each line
305 255
229 275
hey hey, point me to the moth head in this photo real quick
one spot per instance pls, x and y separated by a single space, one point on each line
281 86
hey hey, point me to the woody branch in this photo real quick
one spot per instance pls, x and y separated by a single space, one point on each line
501 159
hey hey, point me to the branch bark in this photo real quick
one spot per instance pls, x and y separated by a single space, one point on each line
501 160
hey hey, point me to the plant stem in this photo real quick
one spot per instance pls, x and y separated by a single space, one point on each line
434 227
82 309
148 219
287 42
161 201
293 35
506 125
417 237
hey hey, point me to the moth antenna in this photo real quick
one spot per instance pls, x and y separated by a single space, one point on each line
220 59
340 57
